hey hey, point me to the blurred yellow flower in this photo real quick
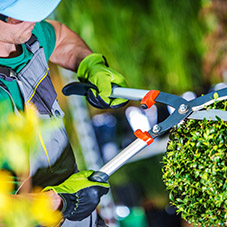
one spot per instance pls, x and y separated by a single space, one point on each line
6 182
19 138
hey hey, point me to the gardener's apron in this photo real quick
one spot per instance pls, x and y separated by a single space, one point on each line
55 160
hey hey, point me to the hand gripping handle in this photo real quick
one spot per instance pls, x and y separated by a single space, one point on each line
77 88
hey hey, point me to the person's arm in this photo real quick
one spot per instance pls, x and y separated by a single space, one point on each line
72 53
48 204
70 49
54 198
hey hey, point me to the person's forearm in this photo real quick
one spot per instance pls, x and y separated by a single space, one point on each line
70 49
55 199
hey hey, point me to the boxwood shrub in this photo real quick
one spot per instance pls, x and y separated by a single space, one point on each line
195 170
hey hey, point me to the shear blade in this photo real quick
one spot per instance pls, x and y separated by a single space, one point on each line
209 115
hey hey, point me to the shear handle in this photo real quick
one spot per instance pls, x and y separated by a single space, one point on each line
77 88
119 160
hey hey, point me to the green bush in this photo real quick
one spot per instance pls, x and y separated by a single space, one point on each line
195 170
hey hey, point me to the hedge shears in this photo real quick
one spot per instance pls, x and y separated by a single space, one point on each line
193 109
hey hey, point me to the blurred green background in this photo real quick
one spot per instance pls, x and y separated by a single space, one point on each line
155 44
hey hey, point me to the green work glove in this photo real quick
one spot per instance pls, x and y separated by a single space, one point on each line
94 69
79 195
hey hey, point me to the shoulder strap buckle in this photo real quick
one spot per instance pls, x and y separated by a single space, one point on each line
32 44
7 74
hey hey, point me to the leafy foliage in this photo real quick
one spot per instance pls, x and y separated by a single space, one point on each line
195 170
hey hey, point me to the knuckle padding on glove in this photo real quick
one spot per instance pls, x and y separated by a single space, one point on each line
95 70
119 105
96 101
81 204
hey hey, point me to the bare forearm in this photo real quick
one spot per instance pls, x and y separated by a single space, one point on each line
70 49
54 199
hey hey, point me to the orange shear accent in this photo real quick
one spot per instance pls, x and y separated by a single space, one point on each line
149 99
145 136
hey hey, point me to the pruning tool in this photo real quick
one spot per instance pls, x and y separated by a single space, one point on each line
183 109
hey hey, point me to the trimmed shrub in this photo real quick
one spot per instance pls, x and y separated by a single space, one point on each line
195 170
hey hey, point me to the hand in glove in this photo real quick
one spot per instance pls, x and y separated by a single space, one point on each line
79 195
94 69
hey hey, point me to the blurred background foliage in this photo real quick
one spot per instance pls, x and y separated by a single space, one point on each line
155 44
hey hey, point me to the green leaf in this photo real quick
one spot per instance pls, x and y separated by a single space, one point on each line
216 96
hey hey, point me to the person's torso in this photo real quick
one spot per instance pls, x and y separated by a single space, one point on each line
54 161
